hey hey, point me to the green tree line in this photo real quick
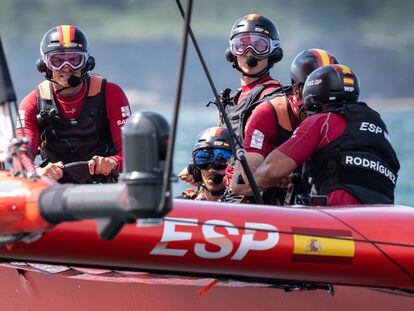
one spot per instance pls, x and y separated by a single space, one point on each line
384 23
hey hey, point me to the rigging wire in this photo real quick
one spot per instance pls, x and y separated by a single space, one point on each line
373 244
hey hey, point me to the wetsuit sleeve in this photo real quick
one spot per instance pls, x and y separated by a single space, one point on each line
118 111
261 130
305 139
30 128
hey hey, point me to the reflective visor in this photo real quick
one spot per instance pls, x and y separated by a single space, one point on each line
55 61
215 158
259 44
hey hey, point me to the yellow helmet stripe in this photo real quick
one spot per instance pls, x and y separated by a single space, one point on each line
324 57
345 69
66 35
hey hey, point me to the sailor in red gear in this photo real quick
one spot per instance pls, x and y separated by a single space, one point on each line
313 134
210 158
71 116
344 144
261 132
272 122
253 51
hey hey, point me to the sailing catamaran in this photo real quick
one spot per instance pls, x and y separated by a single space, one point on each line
154 252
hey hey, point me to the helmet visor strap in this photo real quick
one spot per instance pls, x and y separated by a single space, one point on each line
58 60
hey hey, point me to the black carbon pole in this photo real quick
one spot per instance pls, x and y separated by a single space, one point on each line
167 193
7 93
8 100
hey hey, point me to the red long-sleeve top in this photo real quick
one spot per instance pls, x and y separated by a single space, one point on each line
312 134
117 108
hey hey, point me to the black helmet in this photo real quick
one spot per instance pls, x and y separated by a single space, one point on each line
213 137
307 61
256 23
210 139
330 85
62 38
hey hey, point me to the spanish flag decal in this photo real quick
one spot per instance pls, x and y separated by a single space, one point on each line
66 35
348 81
323 245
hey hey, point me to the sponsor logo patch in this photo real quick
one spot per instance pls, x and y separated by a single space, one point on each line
313 82
126 112
257 139
120 122
71 111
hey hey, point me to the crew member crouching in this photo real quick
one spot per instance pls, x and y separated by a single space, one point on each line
210 157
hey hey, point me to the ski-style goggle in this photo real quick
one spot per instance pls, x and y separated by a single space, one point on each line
214 158
259 44
55 61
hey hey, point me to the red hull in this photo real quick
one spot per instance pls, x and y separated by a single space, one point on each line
286 244
19 212
35 291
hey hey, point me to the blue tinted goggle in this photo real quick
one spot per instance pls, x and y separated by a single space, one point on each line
215 158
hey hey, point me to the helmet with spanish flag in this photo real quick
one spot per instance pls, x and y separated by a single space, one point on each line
307 61
64 38
256 33
330 85
64 45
